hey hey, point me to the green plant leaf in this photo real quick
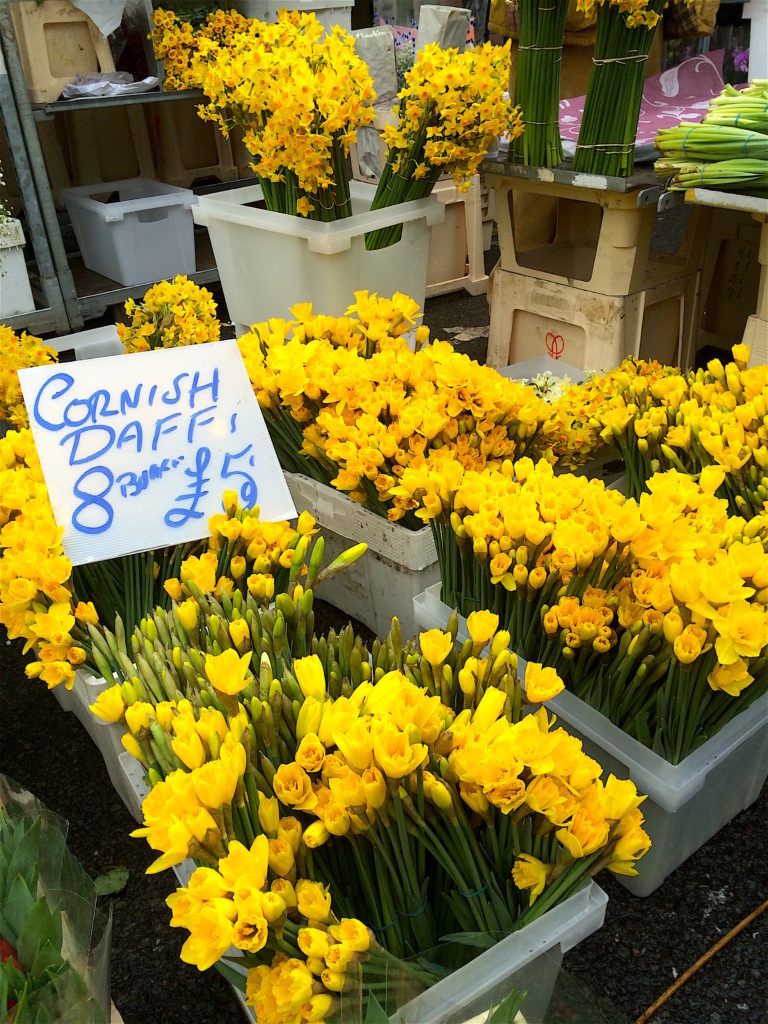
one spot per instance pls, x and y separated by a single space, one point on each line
374 1013
111 881
508 1008
26 854
38 929
18 906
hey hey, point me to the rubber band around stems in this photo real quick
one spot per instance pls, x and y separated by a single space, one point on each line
414 913
384 927
471 895
533 46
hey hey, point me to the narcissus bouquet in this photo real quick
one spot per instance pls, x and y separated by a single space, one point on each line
182 45
17 352
573 434
451 111
172 313
713 417
347 808
298 99
349 404
654 612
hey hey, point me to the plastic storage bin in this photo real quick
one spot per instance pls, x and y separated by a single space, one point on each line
688 802
268 262
133 231
531 318
328 12
528 960
456 255
98 341
398 565
106 735
15 290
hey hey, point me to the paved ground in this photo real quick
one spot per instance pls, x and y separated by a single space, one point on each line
643 946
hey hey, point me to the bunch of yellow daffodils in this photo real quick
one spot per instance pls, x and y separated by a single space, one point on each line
16 353
172 313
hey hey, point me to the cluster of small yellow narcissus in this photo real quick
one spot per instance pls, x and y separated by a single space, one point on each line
172 313
452 110
714 416
35 598
182 47
643 607
575 430
635 13
299 97
16 353
349 403
488 794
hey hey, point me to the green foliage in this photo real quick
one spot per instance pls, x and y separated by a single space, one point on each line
44 986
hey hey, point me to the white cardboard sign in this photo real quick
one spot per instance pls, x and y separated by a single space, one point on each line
138 449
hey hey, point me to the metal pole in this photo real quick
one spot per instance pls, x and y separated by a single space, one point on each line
49 283
15 75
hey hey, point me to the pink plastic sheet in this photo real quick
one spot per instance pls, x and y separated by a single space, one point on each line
678 94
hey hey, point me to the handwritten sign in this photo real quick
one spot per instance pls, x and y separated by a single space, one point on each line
138 449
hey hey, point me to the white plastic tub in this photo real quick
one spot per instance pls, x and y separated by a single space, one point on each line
528 960
398 565
328 12
530 368
98 341
133 231
687 803
15 290
268 262
106 735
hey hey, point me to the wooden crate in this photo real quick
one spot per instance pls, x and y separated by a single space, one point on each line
531 318
56 42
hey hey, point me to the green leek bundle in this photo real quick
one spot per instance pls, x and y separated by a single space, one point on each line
722 175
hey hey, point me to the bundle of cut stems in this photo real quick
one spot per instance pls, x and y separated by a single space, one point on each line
709 142
724 175
537 82
741 108
612 108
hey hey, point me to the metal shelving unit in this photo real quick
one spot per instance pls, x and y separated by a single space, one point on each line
72 293
52 314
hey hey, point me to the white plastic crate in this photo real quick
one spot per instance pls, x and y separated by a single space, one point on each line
328 12
687 803
106 735
528 960
15 290
98 341
268 262
530 368
398 565
532 318
146 235
456 254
